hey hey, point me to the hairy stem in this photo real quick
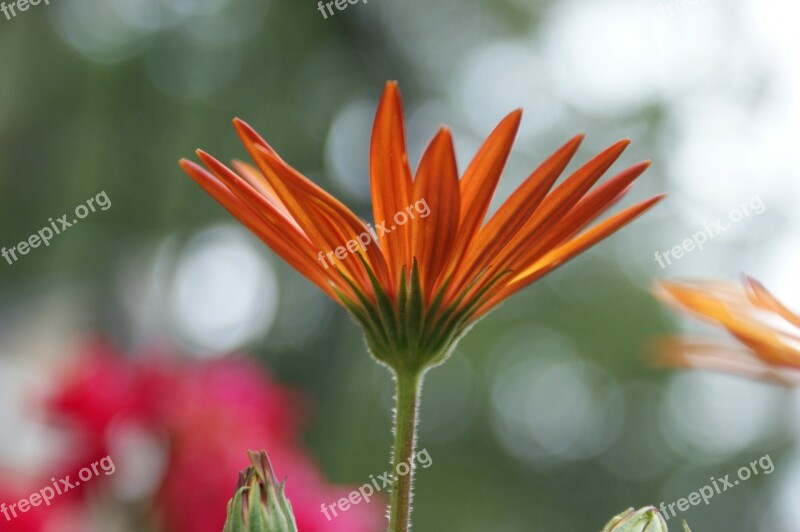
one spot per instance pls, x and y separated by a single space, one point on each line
405 435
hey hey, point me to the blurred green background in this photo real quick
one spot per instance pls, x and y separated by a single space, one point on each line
549 417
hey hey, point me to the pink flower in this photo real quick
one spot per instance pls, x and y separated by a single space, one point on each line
208 413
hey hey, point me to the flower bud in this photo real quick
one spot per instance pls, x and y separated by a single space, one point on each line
646 519
259 504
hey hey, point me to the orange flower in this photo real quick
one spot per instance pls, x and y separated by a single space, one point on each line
418 288
768 332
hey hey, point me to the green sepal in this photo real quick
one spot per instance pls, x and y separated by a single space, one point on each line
645 519
259 503
402 304
415 314
387 313
401 330
366 316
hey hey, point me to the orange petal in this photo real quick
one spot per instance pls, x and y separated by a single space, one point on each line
563 198
718 357
705 300
246 192
437 184
390 180
765 343
256 180
565 252
480 181
327 222
260 205
513 214
730 308
551 211
286 243
761 297
249 194
250 138
287 228
582 214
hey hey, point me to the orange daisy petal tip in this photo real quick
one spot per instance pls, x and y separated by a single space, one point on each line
428 266
767 332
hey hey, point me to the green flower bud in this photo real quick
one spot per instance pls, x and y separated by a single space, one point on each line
646 519
259 504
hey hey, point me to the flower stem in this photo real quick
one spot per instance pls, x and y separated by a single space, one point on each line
405 436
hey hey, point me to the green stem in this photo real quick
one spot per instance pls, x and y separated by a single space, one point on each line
405 433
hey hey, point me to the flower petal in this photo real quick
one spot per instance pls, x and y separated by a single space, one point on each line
480 181
550 212
517 209
286 241
390 180
582 214
437 184
555 258
257 180
327 222
295 189
761 297
673 352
